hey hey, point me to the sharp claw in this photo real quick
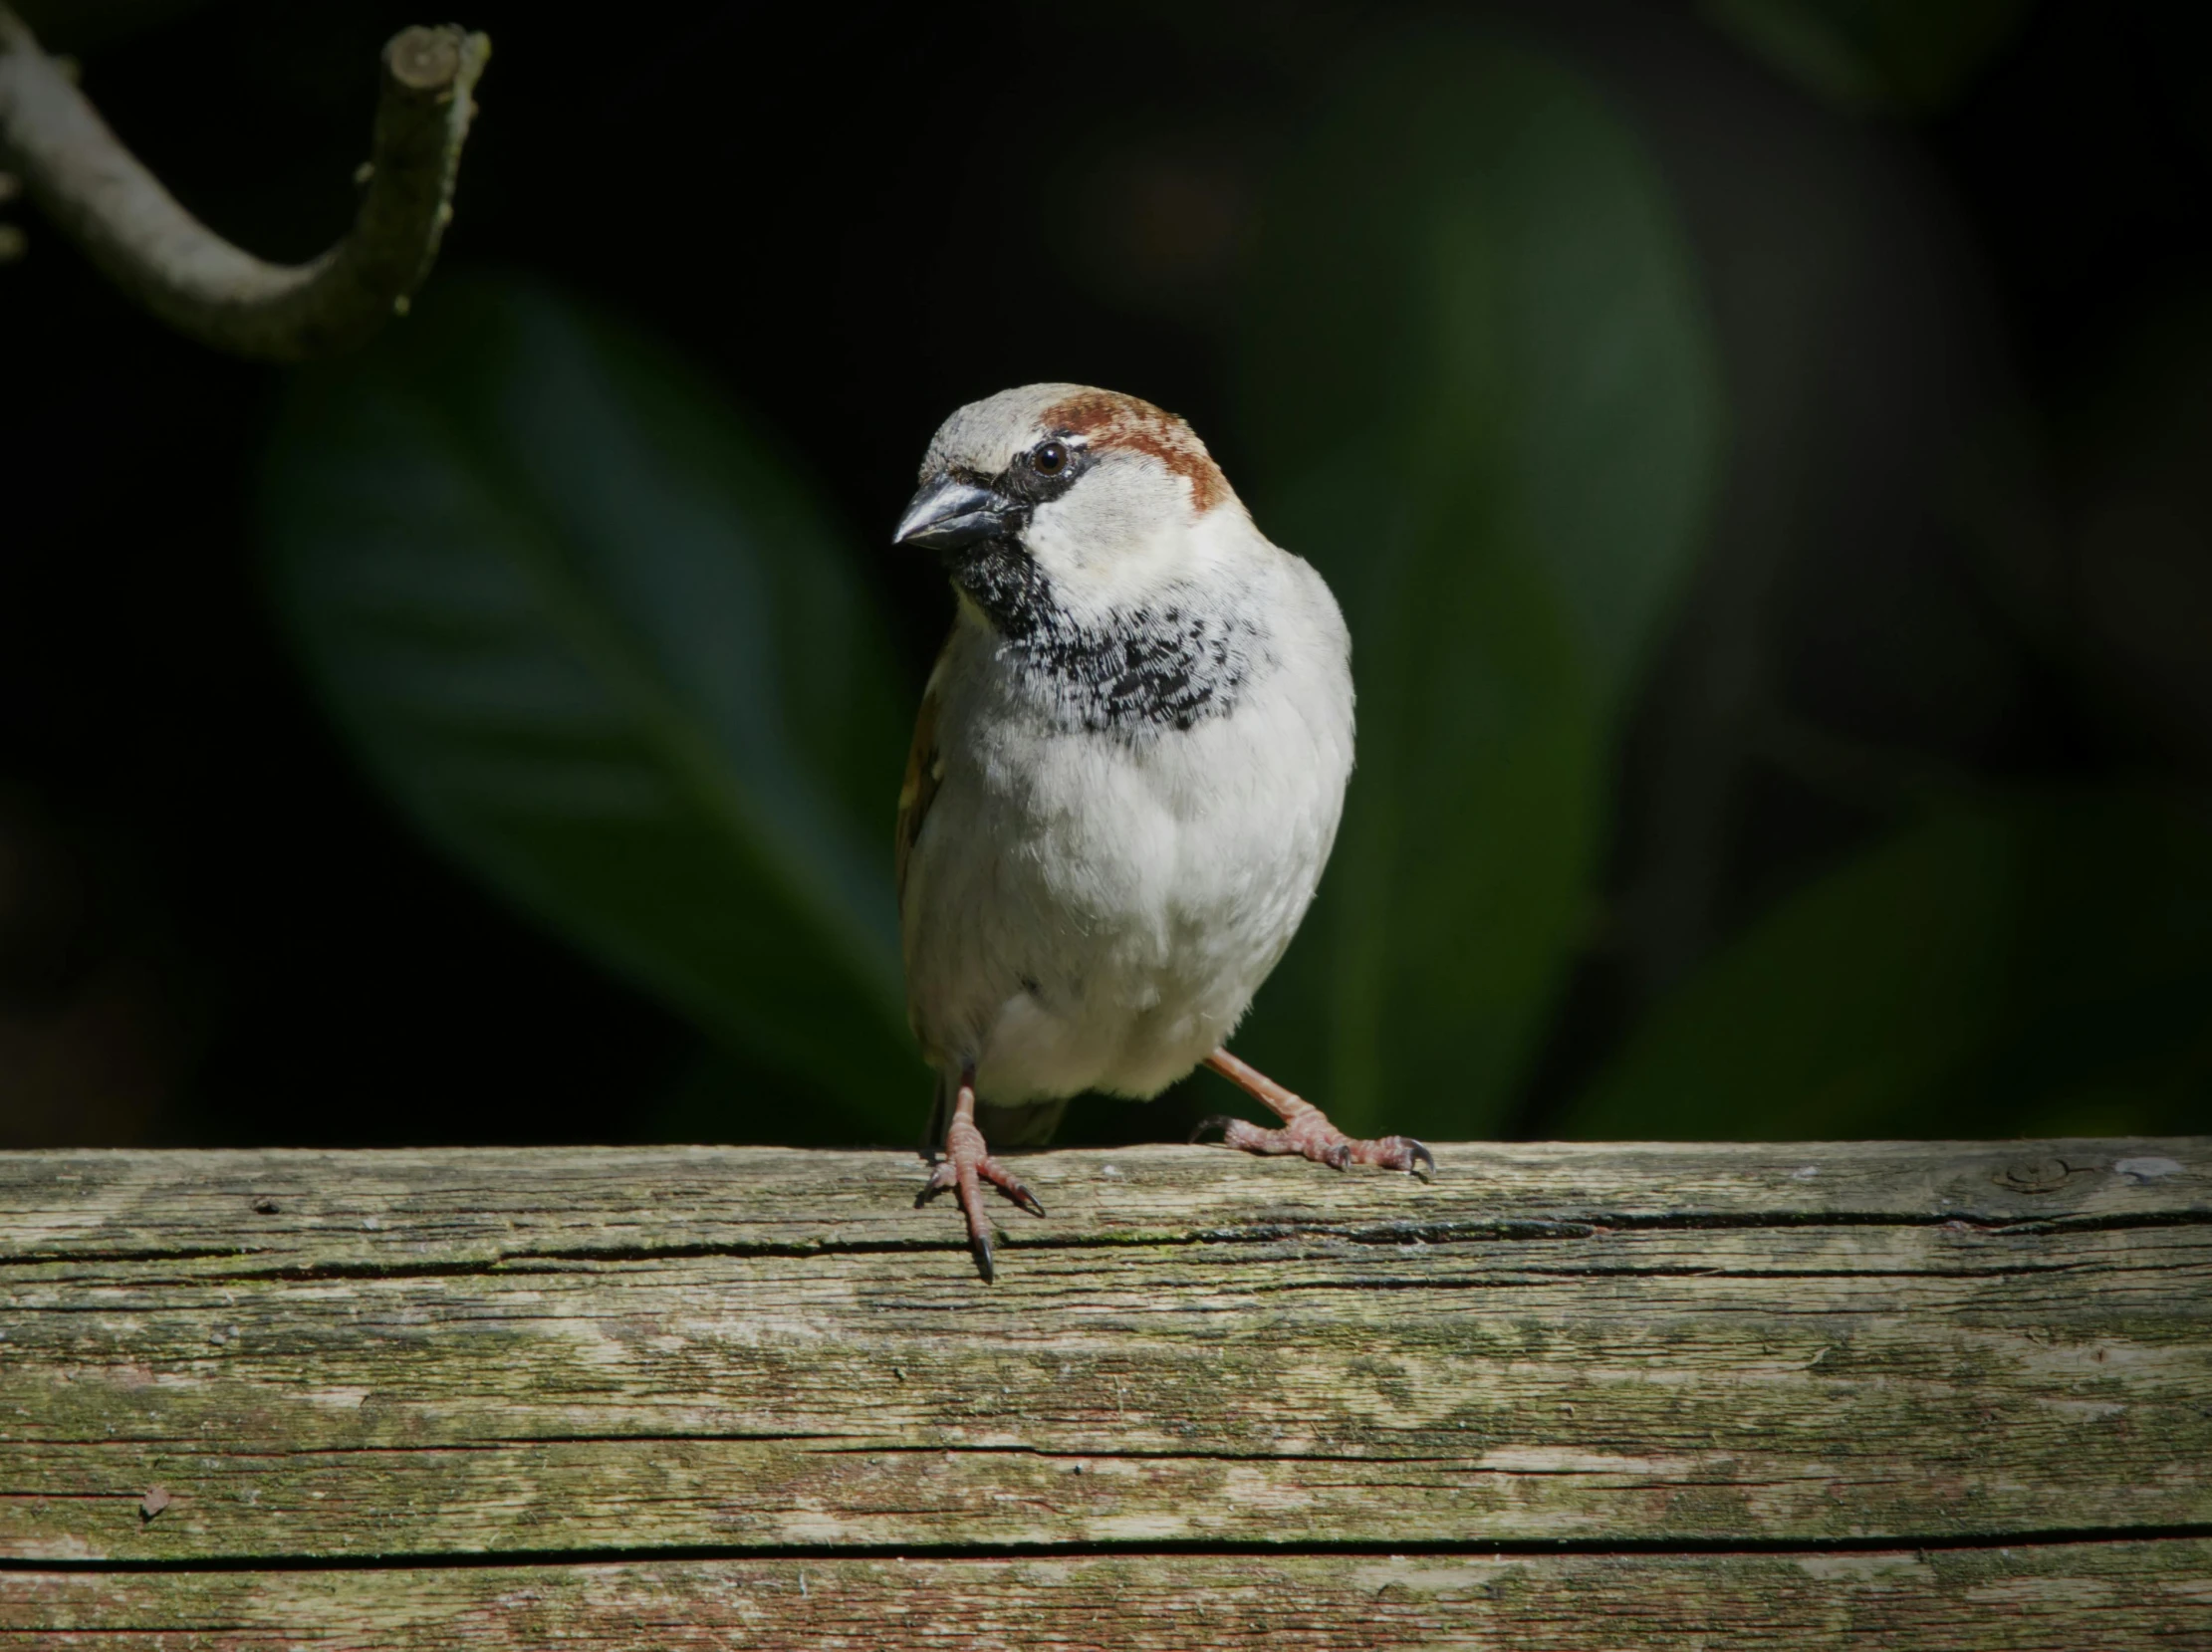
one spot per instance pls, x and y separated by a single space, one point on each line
1212 1121
969 1178
1011 1185
1422 1156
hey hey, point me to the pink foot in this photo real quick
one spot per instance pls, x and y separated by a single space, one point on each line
968 1164
1312 1136
1306 1129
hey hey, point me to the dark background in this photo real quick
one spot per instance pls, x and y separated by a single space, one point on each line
1968 287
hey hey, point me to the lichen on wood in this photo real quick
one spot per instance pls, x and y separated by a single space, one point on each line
640 1360
2079 1597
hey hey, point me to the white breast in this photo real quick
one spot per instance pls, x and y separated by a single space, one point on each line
1087 911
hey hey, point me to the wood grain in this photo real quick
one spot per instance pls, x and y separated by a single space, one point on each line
612 1375
2084 1597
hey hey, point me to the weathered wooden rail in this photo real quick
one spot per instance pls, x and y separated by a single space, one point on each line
1901 1395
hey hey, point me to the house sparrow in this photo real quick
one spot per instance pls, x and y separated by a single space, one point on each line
1124 780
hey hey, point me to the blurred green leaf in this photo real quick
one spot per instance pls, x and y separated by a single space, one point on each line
1482 389
1909 55
2040 966
586 631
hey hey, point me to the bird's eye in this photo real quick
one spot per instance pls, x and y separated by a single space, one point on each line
1049 458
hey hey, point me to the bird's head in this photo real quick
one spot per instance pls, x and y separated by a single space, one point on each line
1084 501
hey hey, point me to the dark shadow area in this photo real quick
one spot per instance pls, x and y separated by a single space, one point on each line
1907 797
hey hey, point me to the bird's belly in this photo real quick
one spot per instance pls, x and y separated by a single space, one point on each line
1149 991
1108 914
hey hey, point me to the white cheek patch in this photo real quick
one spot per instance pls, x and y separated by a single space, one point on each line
1116 537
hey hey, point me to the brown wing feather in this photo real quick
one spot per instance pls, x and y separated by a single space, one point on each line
925 772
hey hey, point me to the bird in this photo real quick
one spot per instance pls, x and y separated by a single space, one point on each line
1124 782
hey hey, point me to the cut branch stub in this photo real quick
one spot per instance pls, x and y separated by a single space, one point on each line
96 192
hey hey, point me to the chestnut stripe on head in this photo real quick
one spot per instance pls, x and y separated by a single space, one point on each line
1106 420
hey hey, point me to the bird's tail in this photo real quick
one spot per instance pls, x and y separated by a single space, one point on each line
1030 1124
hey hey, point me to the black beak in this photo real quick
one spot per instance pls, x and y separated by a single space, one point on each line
949 514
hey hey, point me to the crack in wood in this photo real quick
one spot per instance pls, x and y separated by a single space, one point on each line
1395 1234
477 1365
505 1559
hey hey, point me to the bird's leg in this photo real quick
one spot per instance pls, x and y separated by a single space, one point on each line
968 1164
1306 1128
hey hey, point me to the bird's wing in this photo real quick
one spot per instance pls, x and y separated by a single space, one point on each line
925 771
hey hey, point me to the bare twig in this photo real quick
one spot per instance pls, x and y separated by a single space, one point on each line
97 193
